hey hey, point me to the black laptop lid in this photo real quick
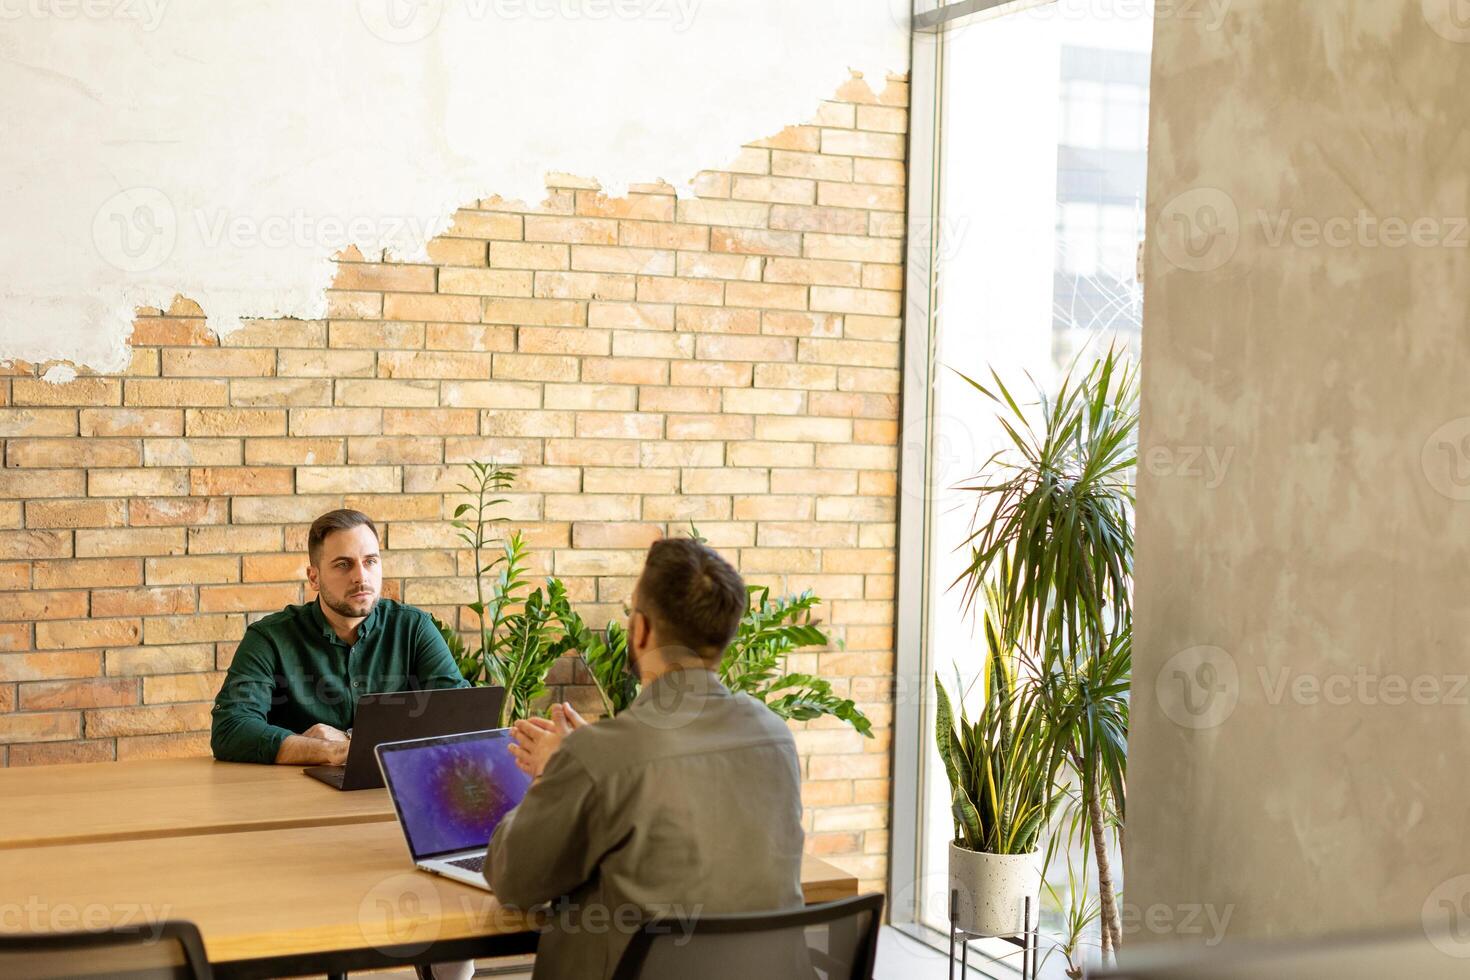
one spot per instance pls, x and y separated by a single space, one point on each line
402 715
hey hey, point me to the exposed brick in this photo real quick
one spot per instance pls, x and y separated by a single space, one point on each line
192 629
349 304
375 277
149 660
156 601
482 224
88 573
61 753
248 598
206 362
645 234
35 544
15 575
581 231
234 422
276 568
43 605
146 720
191 570
536 312
42 483
518 255
240 481
169 688
278 333
82 391
171 332
190 452
625 371
166 481
40 727
484 282
174 392
282 392
85 633
131 422
335 421
19 422
89 693
293 509
225 540
430 421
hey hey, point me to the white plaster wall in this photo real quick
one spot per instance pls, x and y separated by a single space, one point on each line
225 149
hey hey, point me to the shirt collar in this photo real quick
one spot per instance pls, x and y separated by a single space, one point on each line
373 621
675 685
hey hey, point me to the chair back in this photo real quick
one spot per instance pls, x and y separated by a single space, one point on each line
833 941
158 951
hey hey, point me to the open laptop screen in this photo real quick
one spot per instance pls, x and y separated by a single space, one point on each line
451 792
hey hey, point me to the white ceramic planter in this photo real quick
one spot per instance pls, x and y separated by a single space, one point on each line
991 890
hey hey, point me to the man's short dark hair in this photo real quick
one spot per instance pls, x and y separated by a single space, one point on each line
696 597
335 520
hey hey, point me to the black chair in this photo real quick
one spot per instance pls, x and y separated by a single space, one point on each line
161 951
834 941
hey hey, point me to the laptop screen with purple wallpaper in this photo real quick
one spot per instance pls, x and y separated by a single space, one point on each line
451 792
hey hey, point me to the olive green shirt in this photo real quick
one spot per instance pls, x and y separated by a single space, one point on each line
687 803
292 671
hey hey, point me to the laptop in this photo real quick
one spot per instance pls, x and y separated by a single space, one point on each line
450 793
400 715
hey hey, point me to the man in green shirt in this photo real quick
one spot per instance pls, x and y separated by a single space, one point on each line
293 687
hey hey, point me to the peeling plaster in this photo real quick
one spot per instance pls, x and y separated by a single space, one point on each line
225 150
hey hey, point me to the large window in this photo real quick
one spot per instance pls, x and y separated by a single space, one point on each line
1029 163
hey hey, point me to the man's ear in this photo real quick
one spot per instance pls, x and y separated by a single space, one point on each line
311 572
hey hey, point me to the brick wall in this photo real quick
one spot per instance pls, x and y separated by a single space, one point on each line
730 360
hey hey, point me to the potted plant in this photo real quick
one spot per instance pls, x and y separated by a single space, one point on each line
519 637
1001 792
1055 558
754 663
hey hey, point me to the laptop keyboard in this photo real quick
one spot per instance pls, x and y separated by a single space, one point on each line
476 863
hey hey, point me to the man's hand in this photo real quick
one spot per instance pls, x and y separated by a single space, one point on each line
318 745
326 733
537 739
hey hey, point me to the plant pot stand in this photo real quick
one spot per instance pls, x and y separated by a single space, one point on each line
1027 941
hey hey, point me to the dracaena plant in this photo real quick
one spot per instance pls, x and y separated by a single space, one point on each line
1055 554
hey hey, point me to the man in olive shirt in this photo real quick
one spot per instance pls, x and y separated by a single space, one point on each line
293 687
686 803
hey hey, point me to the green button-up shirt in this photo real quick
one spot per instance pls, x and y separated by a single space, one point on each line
292 671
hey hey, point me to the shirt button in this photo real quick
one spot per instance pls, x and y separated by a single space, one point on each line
355 684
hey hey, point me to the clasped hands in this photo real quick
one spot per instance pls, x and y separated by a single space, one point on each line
537 739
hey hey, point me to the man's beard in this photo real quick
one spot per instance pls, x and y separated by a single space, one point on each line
346 607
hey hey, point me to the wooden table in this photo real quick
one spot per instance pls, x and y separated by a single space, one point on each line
285 901
118 801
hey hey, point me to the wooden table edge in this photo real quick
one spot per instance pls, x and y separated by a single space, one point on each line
168 833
